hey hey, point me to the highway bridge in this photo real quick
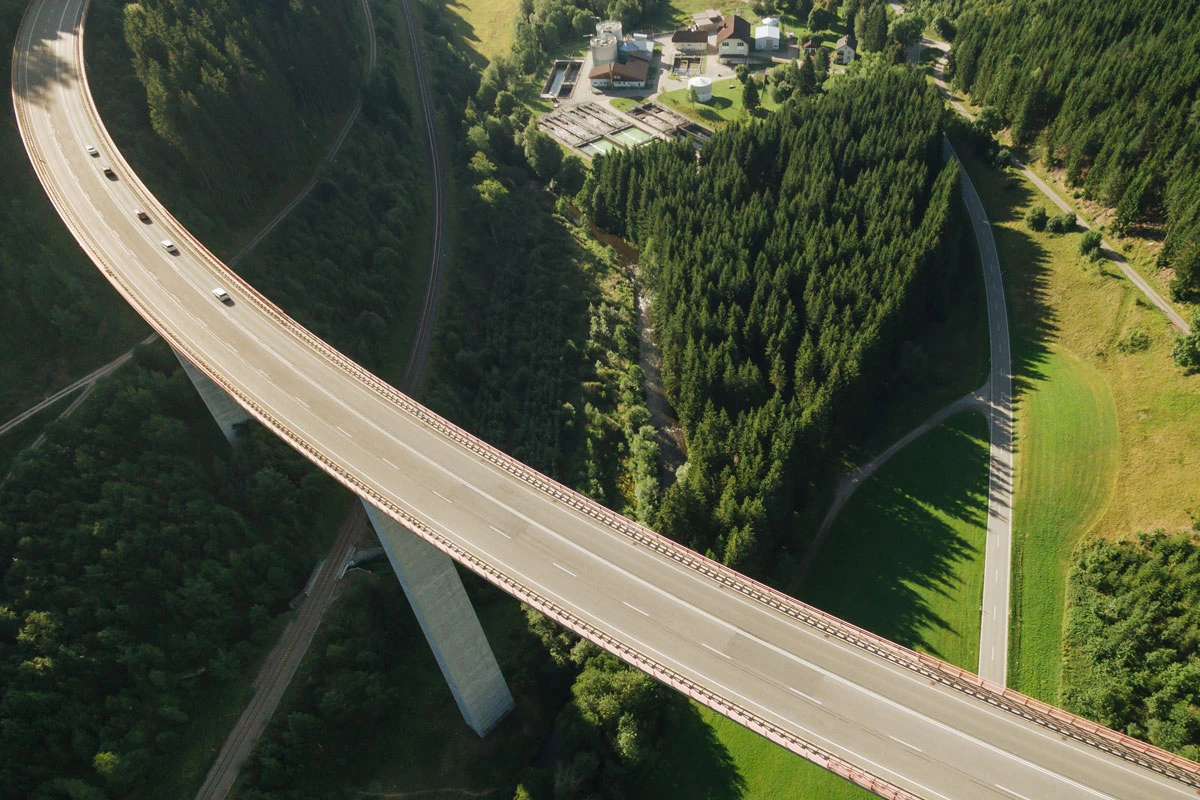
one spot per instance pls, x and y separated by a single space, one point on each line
896 722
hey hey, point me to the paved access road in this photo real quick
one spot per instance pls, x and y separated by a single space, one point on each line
997 579
902 724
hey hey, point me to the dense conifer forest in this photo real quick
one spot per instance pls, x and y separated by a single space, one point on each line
790 260
1132 641
1108 91
238 94
141 560
61 318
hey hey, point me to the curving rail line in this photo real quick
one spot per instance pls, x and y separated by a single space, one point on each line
899 723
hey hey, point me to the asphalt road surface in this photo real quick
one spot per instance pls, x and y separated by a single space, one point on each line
993 629
902 724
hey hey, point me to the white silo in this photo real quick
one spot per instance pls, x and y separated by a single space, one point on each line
703 87
610 27
604 49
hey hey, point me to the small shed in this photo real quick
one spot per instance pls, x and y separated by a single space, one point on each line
702 86
707 20
766 37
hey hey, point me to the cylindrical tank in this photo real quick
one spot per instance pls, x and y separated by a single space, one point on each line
604 50
610 27
703 87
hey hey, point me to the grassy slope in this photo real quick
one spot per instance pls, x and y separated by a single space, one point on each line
486 25
725 106
913 538
1067 427
709 756
1140 251
1143 424
921 584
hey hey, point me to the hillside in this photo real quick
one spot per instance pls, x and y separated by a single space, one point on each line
1107 91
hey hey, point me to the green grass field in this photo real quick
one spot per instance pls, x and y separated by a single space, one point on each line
714 758
485 25
913 537
1108 436
1067 440
725 106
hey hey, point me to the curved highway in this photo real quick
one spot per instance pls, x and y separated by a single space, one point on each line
901 724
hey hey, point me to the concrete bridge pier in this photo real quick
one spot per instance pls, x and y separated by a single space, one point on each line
223 408
430 581
435 591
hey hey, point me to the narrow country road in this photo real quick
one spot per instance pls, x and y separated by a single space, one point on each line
993 630
995 400
423 339
281 664
849 483
851 702
1110 252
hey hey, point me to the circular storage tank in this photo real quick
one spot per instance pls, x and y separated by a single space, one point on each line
703 87
604 50
610 27
770 22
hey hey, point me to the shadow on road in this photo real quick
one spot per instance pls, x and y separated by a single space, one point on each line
1032 319
45 69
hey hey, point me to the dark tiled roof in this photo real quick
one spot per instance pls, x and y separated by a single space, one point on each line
633 70
734 27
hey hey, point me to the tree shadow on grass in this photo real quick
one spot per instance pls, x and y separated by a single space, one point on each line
468 40
694 763
889 551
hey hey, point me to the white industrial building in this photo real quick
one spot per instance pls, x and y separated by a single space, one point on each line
766 35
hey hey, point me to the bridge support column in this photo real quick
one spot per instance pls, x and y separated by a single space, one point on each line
224 408
436 592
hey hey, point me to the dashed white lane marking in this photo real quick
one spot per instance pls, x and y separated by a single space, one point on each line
635 608
906 744
439 494
715 650
564 569
344 431
807 697
390 464
497 530
1010 791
